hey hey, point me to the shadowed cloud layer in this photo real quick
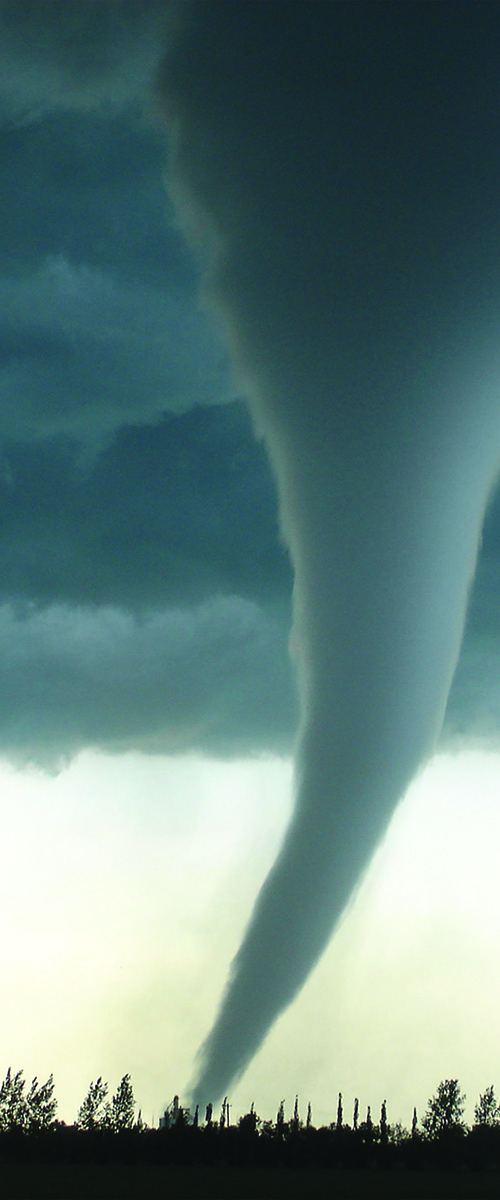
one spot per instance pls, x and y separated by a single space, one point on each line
128 484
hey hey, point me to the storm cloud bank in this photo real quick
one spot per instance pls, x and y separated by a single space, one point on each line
338 164
144 599
135 502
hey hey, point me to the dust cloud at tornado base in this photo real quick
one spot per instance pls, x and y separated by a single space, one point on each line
335 168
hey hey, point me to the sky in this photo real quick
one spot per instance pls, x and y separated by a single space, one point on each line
150 703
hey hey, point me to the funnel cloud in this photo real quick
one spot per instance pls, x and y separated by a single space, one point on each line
337 167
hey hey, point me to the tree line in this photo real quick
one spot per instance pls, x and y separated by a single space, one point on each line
444 1114
107 1127
32 1109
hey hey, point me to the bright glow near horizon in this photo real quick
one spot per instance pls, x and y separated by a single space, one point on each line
125 886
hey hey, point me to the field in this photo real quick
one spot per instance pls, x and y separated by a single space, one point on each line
107 1182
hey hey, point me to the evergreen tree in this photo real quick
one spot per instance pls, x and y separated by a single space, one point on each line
355 1117
340 1114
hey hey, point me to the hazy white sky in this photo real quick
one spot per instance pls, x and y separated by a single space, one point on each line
127 881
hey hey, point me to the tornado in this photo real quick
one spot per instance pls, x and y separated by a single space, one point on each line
336 169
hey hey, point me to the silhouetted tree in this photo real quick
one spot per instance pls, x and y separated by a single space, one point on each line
13 1108
175 1115
119 1113
30 1111
250 1122
42 1104
92 1112
355 1117
444 1138
383 1122
367 1126
397 1134
487 1111
445 1110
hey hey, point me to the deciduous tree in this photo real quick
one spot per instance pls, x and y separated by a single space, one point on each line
30 1110
487 1111
120 1112
41 1104
445 1110
13 1106
92 1112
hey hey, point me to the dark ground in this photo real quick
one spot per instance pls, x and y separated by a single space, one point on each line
145 1182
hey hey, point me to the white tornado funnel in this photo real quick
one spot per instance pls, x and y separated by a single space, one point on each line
323 157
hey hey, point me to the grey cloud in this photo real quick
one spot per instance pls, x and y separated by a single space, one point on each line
91 191
101 335
99 322
214 678
164 515
76 54
82 353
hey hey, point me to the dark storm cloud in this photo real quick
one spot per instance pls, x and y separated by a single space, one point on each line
98 320
69 54
92 191
129 488
82 353
211 678
145 596
166 515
